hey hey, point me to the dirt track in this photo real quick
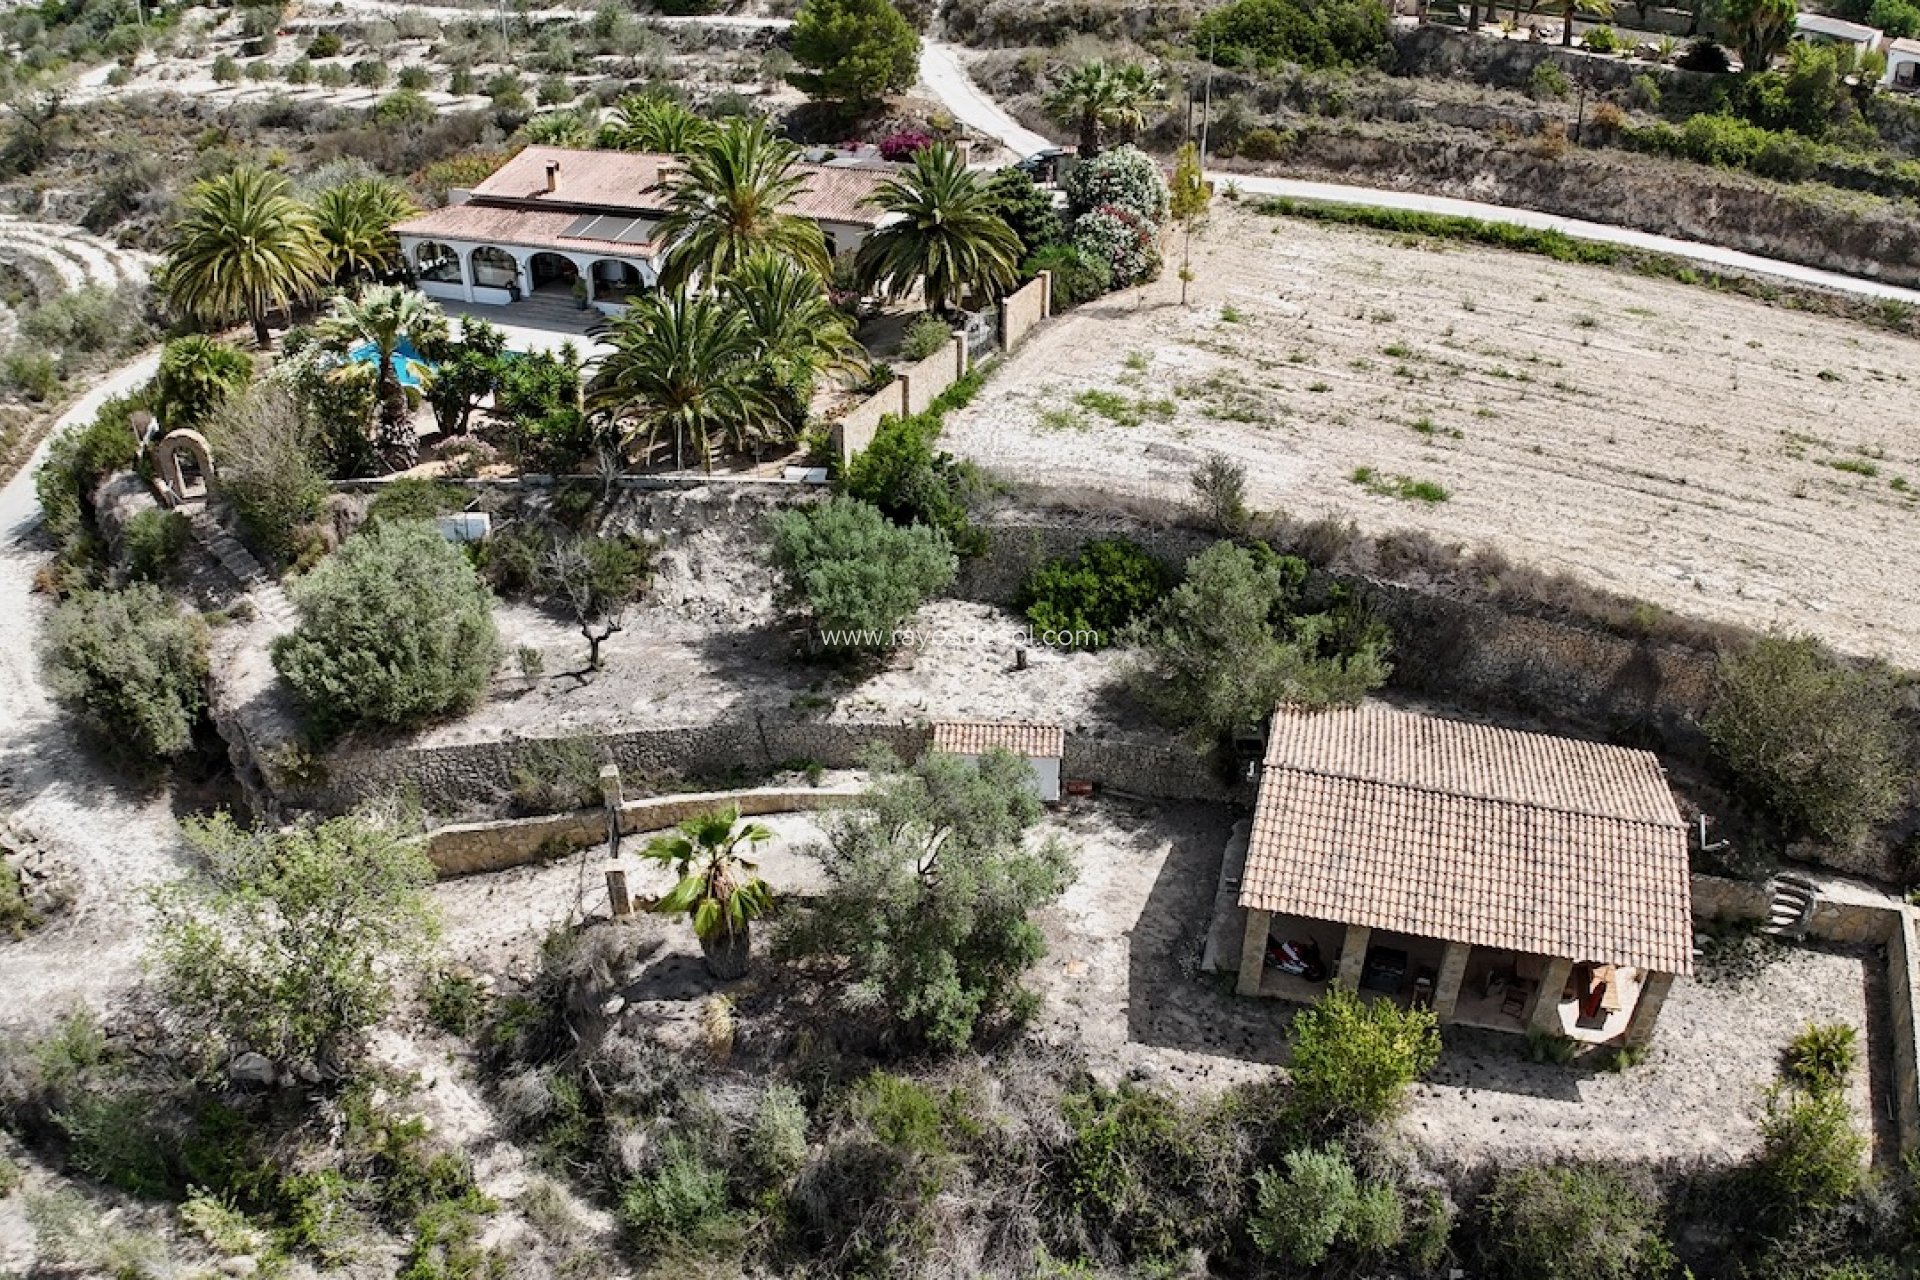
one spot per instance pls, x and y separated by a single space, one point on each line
1658 439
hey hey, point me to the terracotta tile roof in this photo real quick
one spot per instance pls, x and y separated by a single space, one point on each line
1375 816
625 181
528 228
1027 738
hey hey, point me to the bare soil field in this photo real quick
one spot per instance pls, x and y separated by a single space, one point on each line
1703 451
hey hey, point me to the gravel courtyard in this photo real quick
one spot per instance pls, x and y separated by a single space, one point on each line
1710 453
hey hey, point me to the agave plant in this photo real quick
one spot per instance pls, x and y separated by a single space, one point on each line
721 892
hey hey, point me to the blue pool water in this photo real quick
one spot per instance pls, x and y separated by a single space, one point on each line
405 360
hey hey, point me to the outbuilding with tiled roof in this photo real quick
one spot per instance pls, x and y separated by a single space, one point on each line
1508 879
1041 745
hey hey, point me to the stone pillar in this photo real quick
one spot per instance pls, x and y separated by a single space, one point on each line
1446 988
1253 952
1646 1010
610 797
1046 294
1545 1014
619 902
959 354
1353 956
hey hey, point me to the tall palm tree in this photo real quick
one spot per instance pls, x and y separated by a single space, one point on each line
244 247
727 202
356 220
947 237
1135 89
720 891
1085 98
686 365
1597 8
383 315
650 123
798 333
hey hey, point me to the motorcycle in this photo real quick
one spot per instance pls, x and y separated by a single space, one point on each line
1302 959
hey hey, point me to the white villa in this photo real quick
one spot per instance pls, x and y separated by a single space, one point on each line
552 216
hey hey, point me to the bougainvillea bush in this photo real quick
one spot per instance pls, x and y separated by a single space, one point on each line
1124 176
901 146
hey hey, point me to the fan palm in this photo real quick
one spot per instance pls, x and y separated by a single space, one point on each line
1086 98
687 365
356 221
720 891
728 201
244 247
1135 88
642 123
798 333
384 315
947 235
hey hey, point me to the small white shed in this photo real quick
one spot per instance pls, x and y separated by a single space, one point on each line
1039 744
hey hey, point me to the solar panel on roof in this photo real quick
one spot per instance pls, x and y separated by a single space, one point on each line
638 231
580 224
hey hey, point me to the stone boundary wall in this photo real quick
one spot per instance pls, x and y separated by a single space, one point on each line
507 484
923 381
1894 926
476 847
856 430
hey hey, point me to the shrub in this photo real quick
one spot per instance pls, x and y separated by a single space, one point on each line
1822 1058
776 1141
1213 661
289 943
1122 239
153 541
1301 1212
401 108
926 335
1548 81
268 472
33 373
88 320
935 948
197 375
1352 1060
415 498
1608 119
901 146
1704 55
325 44
79 459
1026 207
1601 39
1813 739
1220 486
1087 600
395 629
1268 33
1898 18
683 1201
554 90
854 52
226 70
1262 143
911 482
1123 176
131 666
1571 1222
369 73
1810 1154
1078 275
859 575
1148 1177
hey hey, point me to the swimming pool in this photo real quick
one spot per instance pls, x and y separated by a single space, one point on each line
407 363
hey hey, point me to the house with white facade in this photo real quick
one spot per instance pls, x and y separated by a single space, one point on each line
553 216
1820 28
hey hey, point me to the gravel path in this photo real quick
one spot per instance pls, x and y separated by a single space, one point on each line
114 840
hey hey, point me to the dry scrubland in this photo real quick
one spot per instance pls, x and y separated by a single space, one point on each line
1707 452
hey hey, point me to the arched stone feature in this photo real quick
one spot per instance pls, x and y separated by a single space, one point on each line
437 262
183 465
495 268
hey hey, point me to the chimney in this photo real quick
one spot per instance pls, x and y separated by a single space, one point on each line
553 176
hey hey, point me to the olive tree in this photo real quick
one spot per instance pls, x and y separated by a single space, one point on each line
931 880
857 574
395 629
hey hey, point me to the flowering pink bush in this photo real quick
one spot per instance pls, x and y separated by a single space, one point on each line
901 146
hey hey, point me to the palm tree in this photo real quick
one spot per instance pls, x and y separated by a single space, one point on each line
384 315
1085 98
720 891
798 333
1135 89
245 247
685 364
646 123
565 128
1570 7
947 237
355 221
729 201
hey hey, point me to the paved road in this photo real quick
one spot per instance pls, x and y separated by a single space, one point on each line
944 71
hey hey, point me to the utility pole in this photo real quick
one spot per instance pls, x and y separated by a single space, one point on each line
1206 108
